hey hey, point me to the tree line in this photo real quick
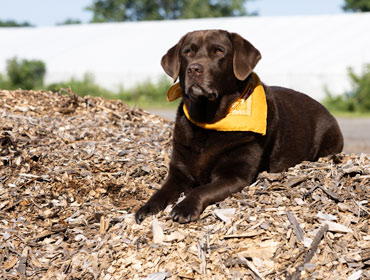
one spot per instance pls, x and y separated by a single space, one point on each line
137 10
29 74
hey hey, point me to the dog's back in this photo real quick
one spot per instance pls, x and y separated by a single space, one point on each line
300 128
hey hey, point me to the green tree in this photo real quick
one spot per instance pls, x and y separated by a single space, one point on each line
357 99
357 5
361 88
132 10
70 21
12 23
26 74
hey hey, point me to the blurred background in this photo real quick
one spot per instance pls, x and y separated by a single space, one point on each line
113 48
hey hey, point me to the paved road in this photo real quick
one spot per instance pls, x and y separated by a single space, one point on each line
356 131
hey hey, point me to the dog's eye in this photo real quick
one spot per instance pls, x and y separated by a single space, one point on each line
188 52
218 51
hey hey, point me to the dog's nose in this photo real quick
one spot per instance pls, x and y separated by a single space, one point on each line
195 69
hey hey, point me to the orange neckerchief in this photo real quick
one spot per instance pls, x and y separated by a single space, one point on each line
247 113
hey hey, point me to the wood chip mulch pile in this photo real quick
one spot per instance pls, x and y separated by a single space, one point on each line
73 171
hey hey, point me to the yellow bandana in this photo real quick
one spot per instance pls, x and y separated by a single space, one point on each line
247 113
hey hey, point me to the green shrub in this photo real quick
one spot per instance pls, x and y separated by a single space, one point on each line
26 74
5 83
86 86
29 74
12 23
361 88
339 103
146 93
355 100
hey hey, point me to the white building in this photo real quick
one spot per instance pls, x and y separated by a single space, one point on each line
304 53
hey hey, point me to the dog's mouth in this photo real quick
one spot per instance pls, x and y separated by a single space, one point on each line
196 91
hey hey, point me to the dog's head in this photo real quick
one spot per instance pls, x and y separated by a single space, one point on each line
210 63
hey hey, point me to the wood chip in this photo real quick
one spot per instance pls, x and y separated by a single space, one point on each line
337 227
355 275
158 235
225 215
247 234
297 229
251 266
10 263
22 262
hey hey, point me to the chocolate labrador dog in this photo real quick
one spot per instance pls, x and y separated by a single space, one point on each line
217 149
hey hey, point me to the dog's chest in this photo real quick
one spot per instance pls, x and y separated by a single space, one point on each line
199 150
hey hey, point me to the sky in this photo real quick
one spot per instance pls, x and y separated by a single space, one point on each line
51 12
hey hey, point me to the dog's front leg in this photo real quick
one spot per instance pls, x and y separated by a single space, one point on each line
199 198
176 183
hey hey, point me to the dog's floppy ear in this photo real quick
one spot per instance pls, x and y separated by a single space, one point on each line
171 61
245 58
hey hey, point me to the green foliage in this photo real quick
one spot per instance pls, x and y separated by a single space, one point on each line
132 10
339 103
361 88
29 74
70 21
146 94
86 86
5 83
357 5
204 9
26 74
356 100
12 23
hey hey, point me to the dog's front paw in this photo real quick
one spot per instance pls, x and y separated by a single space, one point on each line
186 211
144 211
153 206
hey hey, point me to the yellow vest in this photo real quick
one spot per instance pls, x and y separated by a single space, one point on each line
247 113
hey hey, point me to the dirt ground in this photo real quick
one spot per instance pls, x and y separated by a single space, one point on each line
356 131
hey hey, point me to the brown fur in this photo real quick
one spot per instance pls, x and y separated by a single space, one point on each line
213 67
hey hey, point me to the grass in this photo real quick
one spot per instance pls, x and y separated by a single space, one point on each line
146 95
346 114
154 105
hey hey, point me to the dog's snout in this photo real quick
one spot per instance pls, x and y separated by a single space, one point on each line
195 69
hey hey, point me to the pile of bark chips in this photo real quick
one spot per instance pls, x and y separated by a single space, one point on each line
74 170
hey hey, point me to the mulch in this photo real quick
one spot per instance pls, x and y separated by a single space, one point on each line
73 171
